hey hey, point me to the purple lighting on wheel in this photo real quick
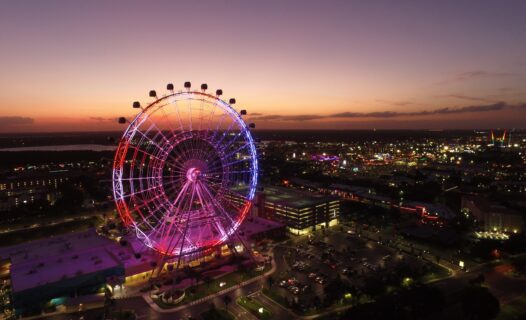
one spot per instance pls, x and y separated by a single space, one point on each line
185 173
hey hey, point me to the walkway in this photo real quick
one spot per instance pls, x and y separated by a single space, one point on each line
156 307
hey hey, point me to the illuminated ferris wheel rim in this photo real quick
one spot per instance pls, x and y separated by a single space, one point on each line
226 106
130 132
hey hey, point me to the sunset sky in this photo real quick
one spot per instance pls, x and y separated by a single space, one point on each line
77 65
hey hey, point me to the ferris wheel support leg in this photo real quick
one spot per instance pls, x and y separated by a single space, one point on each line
246 248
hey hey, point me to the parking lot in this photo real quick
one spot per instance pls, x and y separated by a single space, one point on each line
311 262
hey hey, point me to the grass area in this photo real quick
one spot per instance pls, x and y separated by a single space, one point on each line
280 299
272 294
255 307
205 289
438 272
217 314
12 238
513 310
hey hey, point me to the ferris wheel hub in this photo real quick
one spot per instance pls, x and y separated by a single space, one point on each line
193 174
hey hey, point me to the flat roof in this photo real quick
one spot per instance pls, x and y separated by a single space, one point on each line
255 225
486 205
294 198
53 246
44 271
50 260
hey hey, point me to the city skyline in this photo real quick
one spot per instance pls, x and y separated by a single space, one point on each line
337 65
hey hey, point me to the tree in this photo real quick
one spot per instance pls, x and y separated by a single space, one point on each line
335 290
270 281
190 273
422 301
207 280
198 276
478 303
316 302
227 300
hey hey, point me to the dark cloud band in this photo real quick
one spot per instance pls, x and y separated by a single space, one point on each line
393 114
16 121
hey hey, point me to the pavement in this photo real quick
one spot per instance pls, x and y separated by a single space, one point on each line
497 276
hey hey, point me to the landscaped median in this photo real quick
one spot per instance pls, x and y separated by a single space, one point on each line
204 289
254 307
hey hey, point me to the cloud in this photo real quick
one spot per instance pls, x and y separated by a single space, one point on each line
464 97
480 74
394 114
16 121
299 117
101 119
396 103
470 75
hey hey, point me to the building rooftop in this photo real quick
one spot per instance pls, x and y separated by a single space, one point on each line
40 272
255 225
484 204
39 262
294 198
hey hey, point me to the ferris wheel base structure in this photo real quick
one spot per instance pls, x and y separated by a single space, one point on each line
185 172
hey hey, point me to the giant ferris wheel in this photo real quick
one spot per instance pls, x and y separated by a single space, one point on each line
185 171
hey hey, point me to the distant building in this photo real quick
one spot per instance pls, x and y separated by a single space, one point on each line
20 189
301 212
493 217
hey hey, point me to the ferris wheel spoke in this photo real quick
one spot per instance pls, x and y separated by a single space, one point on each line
190 114
154 124
236 151
187 222
225 133
170 122
219 168
227 195
201 107
139 192
210 117
159 148
175 217
218 126
230 143
174 209
219 211
146 153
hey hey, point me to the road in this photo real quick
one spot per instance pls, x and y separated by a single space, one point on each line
502 285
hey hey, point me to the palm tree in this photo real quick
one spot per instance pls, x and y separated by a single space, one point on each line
189 273
270 281
207 279
198 276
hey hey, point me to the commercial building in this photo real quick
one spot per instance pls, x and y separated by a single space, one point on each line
493 217
301 212
54 271
58 268
20 189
